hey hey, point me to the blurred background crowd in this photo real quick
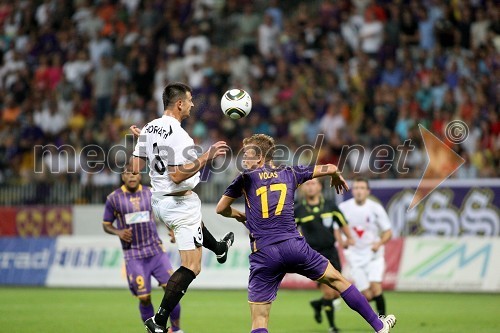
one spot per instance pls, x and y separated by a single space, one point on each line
76 74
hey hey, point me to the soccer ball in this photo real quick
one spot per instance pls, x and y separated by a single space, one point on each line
236 103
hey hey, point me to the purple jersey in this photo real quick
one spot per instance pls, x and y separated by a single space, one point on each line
133 210
269 194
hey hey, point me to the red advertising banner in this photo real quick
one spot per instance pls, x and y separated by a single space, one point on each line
393 253
36 221
8 222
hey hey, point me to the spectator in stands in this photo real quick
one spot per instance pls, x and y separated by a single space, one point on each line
247 25
104 82
196 40
358 71
50 119
11 111
268 37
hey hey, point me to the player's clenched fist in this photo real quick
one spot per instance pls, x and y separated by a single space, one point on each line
136 131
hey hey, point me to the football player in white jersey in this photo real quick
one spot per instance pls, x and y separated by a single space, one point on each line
174 170
371 229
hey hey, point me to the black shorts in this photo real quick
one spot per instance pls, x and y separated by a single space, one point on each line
333 256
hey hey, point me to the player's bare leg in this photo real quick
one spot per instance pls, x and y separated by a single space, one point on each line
260 317
176 287
368 294
356 301
191 259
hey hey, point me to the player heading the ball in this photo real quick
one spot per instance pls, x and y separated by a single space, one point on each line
277 246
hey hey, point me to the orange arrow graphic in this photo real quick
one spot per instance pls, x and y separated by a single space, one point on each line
443 162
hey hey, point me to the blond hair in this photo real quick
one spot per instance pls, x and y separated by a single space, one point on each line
263 144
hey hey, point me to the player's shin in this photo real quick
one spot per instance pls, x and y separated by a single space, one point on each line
211 243
147 311
356 301
176 288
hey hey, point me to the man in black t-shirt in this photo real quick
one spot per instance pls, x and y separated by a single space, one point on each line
318 218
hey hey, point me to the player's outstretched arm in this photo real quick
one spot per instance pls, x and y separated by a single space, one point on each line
179 173
331 170
224 208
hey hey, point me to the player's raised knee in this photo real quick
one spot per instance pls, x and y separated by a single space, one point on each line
145 300
195 268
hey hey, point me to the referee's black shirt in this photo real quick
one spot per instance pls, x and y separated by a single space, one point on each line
316 222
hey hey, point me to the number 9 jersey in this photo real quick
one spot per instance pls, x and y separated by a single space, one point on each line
165 143
269 194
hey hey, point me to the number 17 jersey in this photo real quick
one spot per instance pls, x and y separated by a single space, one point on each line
165 143
269 196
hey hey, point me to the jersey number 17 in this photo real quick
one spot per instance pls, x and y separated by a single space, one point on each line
262 192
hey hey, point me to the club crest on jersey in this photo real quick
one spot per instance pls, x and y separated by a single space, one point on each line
136 203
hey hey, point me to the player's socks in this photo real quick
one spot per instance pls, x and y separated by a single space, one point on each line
175 316
147 311
380 303
260 330
211 243
316 305
356 301
175 289
329 311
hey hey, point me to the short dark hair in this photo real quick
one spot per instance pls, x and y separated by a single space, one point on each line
362 180
173 92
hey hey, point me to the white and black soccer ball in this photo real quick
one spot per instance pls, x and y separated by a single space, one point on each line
236 103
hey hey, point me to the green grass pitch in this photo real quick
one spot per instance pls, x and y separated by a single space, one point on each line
116 311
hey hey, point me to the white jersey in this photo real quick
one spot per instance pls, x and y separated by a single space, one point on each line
165 143
367 222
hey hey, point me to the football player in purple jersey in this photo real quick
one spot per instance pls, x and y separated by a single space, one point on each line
277 247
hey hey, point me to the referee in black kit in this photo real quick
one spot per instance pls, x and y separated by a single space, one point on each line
315 218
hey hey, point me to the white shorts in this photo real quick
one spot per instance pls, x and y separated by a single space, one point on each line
365 272
182 214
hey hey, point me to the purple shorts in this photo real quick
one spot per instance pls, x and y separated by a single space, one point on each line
269 265
139 272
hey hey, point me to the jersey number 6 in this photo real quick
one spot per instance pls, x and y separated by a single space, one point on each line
159 166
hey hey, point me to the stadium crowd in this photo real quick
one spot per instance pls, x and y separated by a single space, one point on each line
78 74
